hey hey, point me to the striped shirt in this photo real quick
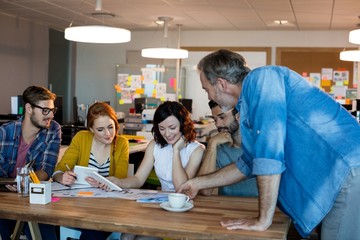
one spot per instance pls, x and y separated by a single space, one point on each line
104 168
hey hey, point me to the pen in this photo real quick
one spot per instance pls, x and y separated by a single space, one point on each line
69 169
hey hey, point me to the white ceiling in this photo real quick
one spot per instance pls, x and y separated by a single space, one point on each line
191 14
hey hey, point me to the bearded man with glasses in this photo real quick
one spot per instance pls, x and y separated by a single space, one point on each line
35 136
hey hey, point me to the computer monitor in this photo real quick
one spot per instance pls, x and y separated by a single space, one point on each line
139 104
187 103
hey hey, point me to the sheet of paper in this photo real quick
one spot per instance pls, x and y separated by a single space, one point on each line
130 194
55 186
157 198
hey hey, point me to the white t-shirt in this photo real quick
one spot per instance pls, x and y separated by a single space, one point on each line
164 159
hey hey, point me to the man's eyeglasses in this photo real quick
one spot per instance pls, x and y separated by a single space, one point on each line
45 111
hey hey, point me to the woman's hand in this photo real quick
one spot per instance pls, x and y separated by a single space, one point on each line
103 186
180 144
68 178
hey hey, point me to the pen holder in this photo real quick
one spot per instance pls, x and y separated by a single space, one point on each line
40 193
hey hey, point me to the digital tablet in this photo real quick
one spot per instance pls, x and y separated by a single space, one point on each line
101 179
82 173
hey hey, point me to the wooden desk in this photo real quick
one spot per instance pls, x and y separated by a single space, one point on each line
201 222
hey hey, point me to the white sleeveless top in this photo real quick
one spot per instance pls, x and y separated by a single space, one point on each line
163 162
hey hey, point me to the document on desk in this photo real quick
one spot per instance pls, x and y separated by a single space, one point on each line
129 194
55 186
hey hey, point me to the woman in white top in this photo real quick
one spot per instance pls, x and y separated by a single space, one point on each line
174 153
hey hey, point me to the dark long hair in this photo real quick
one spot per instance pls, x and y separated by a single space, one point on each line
177 110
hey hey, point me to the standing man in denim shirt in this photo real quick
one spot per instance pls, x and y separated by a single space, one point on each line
224 148
302 146
35 136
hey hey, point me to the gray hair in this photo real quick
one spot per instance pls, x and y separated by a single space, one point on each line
224 64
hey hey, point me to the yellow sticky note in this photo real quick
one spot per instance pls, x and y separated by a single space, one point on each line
121 101
325 83
139 91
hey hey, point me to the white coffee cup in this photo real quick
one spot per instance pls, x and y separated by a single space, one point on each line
177 200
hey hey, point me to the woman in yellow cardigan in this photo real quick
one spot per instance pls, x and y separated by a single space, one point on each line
99 147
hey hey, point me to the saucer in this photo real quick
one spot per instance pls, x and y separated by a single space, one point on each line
186 207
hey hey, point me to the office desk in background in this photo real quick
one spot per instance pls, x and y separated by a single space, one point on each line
119 215
133 148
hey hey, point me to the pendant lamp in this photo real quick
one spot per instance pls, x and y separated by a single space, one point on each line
165 52
354 36
352 55
97 33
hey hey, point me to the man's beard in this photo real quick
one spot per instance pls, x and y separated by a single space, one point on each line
37 124
232 128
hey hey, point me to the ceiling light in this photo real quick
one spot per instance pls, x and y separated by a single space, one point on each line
165 53
97 33
354 36
351 55
281 22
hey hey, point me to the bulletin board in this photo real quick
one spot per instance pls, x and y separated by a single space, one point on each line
312 61
149 81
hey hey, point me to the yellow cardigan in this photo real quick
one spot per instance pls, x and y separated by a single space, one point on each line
78 153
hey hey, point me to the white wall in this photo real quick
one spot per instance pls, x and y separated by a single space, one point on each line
23 58
95 74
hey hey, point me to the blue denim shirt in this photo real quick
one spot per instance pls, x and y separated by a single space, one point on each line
44 149
292 128
247 187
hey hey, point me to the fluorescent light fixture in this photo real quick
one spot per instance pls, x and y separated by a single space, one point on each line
354 36
97 34
166 53
281 22
351 55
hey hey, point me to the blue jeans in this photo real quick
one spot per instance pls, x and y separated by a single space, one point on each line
48 232
343 221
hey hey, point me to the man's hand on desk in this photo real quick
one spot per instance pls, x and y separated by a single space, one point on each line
189 188
249 223
8 184
12 188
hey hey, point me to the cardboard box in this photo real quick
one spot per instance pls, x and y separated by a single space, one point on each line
40 193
